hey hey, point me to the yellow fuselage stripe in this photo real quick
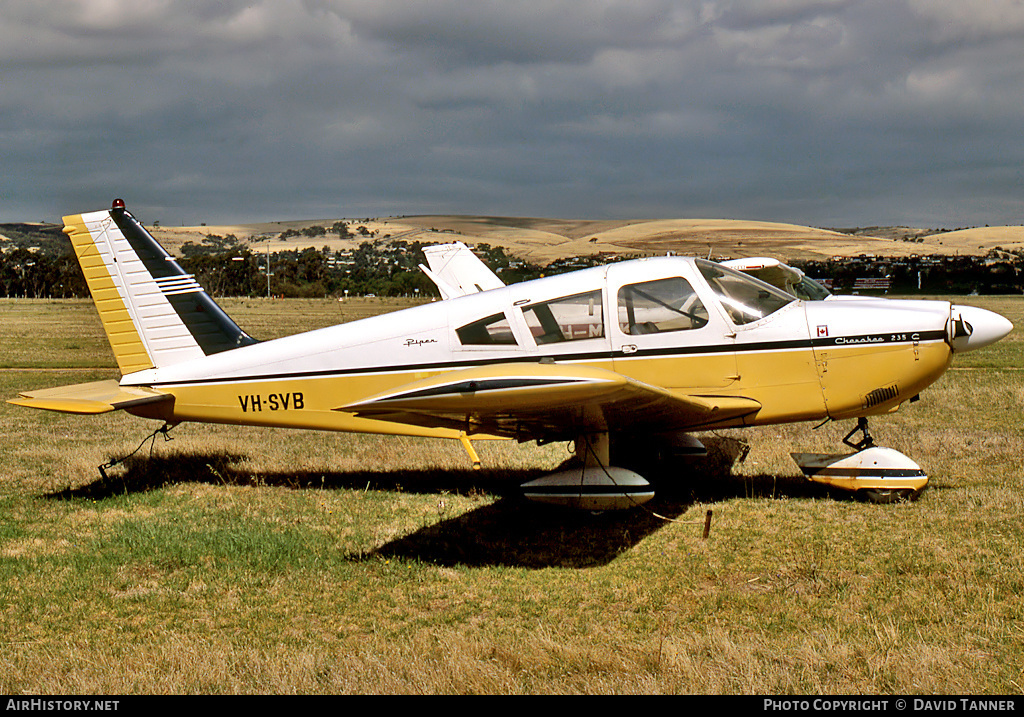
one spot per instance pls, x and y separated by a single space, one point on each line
790 384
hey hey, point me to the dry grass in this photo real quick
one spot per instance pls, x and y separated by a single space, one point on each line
236 560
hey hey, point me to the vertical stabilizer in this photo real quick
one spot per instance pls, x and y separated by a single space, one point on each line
154 313
457 271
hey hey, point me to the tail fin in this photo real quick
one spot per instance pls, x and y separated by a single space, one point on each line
457 271
155 314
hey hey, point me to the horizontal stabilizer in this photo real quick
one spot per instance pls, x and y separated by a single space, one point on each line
86 398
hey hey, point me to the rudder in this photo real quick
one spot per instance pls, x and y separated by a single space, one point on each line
153 312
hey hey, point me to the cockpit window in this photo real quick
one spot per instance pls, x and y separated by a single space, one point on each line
570 318
744 298
491 330
658 306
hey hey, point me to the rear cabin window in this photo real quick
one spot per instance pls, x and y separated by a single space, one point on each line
570 318
489 331
653 307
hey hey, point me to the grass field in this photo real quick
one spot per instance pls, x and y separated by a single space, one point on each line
234 560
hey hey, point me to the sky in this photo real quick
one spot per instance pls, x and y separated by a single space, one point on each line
833 113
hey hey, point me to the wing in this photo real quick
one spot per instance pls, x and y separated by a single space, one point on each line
97 397
546 401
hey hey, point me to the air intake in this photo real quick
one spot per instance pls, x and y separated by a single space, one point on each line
880 395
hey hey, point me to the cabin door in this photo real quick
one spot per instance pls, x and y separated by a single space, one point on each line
663 334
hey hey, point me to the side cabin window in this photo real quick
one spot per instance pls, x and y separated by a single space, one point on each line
744 298
663 305
487 331
570 318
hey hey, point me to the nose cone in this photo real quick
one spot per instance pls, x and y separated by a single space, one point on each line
971 328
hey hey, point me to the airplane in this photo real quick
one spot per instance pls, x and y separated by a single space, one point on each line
880 474
618 360
457 271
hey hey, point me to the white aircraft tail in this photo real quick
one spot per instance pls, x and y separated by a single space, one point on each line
154 314
457 271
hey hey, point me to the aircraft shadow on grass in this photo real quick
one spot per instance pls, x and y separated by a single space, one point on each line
517 533
509 531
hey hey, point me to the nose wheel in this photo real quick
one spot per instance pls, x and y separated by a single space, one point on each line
882 496
875 495
880 475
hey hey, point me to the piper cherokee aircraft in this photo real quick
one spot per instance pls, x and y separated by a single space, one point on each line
610 358
456 271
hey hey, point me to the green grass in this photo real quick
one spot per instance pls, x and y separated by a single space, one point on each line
240 560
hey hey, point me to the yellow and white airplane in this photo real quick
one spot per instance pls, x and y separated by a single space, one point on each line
637 353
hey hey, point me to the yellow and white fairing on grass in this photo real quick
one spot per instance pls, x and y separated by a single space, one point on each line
628 350
884 472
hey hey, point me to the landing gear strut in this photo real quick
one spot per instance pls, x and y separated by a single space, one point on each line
866 440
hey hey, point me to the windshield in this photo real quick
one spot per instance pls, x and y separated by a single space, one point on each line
743 297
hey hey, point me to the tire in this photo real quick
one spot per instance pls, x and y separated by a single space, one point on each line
888 495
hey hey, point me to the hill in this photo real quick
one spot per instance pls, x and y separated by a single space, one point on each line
541 241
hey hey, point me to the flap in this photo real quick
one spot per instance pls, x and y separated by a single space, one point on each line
550 401
96 397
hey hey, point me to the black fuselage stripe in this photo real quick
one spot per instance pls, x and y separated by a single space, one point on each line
865 473
478 385
921 336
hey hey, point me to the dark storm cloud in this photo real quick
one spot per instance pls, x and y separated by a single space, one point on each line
811 111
